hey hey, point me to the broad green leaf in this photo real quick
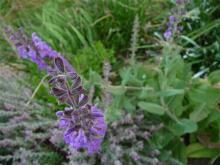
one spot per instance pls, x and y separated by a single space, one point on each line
152 108
199 113
204 94
185 126
197 150
214 77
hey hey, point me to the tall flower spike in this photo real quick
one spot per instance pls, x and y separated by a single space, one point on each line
84 124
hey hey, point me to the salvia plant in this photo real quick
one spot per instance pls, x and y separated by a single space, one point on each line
84 124
158 114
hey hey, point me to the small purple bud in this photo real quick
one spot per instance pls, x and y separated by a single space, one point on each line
168 34
59 113
59 64
171 19
64 122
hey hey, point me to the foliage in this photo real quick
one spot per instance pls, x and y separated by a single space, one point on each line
202 42
168 94
160 108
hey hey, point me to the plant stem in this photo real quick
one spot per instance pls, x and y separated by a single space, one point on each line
36 90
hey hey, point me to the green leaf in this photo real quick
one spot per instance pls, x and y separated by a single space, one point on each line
214 77
188 125
204 94
171 92
95 78
152 108
197 150
189 40
116 90
185 126
80 36
199 113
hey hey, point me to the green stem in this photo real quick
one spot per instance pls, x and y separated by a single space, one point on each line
36 90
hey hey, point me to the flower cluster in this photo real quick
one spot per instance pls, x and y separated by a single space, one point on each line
84 125
174 20
34 49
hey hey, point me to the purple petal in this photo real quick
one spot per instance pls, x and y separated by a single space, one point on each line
59 113
94 146
96 112
64 122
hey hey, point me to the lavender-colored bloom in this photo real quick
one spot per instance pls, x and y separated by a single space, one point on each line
167 34
35 49
85 127
84 124
171 19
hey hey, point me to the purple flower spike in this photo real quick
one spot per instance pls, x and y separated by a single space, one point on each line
84 125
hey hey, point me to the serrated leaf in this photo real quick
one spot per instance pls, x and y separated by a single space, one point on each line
152 108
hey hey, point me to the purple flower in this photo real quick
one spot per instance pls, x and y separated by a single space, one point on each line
35 49
168 34
171 20
174 20
85 127
22 51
